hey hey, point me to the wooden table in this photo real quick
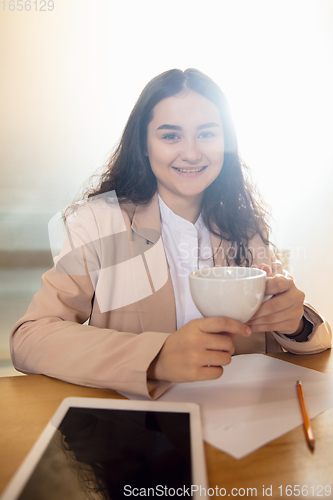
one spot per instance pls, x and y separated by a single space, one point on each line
28 403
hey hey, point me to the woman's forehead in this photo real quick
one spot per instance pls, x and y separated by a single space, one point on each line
187 107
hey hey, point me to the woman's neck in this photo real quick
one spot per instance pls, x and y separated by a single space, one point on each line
185 207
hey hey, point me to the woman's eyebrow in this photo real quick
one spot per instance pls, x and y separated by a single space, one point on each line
208 125
169 127
176 127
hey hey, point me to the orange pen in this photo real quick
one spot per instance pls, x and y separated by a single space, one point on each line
307 424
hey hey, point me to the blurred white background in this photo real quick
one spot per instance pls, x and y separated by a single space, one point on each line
70 77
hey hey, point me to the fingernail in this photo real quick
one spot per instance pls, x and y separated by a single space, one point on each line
248 330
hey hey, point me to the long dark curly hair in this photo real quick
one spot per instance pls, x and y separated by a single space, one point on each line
231 208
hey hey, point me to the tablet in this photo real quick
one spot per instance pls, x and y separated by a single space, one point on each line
115 449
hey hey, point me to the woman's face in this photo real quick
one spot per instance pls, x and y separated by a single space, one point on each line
185 146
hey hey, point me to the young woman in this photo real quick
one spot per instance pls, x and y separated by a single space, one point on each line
173 198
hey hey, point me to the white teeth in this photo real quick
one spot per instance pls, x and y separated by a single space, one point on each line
190 170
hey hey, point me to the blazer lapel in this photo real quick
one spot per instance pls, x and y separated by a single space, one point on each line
157 312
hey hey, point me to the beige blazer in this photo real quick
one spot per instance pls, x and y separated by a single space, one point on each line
129 320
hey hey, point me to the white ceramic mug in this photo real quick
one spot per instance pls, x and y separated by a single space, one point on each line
233 292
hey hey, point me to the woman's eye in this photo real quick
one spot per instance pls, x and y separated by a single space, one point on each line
206 135
171 137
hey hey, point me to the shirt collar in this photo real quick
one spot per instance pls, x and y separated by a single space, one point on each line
178 223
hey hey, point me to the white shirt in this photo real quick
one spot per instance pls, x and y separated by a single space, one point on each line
187 247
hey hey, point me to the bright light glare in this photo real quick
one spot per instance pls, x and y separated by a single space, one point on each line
72 77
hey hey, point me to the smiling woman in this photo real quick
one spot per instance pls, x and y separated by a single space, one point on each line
187 100
173 198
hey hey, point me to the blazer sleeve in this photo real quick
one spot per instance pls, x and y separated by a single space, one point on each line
320 338
51 338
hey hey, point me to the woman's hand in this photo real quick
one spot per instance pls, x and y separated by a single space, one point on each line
198 350
284 311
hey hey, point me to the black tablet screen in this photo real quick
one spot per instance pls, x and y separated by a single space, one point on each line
114 454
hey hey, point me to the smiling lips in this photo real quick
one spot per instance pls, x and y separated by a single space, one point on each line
190 170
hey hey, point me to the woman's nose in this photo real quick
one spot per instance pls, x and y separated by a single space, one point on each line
191 152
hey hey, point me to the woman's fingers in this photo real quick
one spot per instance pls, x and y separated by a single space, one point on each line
222 325
210 372
218 342
283 311
218 358
198 350
266 268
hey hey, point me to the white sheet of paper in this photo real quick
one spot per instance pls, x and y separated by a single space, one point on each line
254 402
